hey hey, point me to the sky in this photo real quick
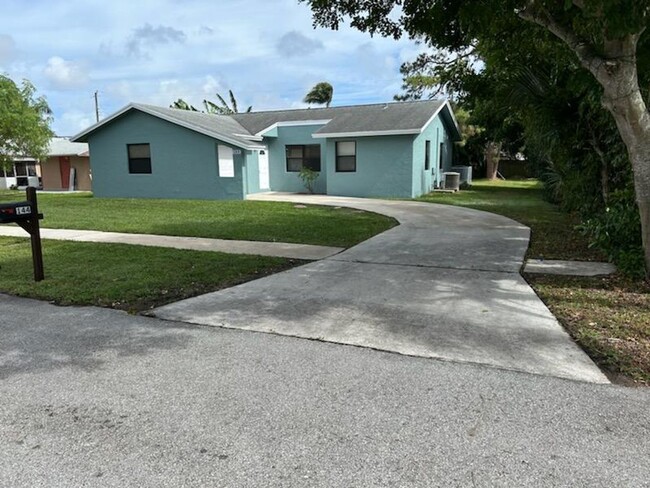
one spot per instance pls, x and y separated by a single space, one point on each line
156 51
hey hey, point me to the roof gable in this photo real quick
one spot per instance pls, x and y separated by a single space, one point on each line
221 127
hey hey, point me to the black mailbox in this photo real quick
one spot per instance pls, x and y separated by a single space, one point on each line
15 212
26 215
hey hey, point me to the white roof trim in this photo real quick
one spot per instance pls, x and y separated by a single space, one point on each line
368 133
250 137
293 123
172 120
437 112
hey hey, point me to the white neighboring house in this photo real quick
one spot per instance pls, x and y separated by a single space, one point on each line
21 174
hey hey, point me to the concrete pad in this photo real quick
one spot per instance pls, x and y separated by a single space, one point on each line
469 316
275 249
568 268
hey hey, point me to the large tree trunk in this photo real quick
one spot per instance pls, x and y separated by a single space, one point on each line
615 68
633 123
622 97
492 156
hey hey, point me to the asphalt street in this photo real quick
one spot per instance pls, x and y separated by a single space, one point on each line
95 397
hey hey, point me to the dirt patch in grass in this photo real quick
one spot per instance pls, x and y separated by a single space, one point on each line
608 316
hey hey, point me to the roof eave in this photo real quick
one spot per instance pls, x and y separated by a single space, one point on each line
369 133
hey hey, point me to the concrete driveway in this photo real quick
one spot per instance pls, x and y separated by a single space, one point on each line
444 284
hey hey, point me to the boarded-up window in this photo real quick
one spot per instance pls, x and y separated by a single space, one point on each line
226 162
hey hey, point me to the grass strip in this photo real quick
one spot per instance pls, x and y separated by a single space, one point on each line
245 220
131 278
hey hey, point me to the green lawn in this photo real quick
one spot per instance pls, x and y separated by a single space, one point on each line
133 278
553 232
246 220
608 316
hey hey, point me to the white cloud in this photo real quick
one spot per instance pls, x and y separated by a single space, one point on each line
65 75
155 51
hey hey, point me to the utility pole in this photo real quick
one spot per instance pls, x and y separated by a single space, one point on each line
96 107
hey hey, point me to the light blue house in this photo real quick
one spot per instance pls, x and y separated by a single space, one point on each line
382 150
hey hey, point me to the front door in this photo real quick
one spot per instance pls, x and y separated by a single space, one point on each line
263 163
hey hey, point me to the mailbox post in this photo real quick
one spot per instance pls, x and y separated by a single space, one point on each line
26 215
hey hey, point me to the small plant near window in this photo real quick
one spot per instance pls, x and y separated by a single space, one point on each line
308 177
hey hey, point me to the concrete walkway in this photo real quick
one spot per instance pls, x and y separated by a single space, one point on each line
444 284
277 249
568 268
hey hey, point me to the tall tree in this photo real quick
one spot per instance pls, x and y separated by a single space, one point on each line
602 35
321 93
24 122
223 108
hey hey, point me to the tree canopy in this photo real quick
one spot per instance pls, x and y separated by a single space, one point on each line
321 93
597 48
24 122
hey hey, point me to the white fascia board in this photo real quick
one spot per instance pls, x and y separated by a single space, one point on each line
433 117
453 117
437 112
369 133
293 123
250 137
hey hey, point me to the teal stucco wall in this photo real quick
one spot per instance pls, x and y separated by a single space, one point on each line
183 162
424 181
252 173
280 178
384 168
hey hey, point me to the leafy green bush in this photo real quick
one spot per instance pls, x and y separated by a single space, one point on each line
617 232
308 177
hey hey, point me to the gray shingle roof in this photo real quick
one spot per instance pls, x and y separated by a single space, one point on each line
239 129
220 127
398 116
61 146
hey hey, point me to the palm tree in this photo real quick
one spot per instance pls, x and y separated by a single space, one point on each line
224 108
211 107
183 105
321 93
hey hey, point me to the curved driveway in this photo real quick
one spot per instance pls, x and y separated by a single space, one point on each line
444 284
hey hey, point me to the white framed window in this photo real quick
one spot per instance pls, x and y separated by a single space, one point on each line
346 157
